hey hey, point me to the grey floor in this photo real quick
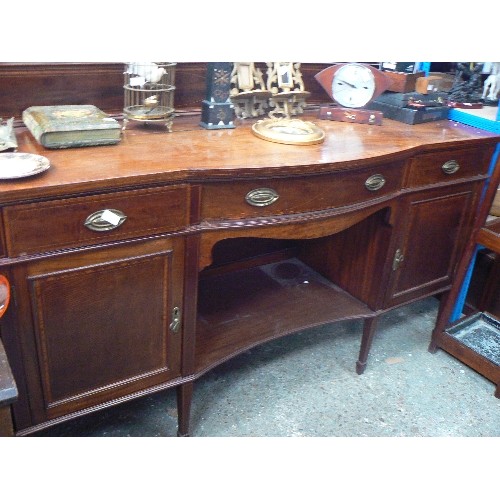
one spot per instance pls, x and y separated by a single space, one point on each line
306 385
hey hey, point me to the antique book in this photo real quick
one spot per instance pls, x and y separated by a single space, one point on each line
68 126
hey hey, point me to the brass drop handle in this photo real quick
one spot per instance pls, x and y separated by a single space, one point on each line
450 167
375 182
261 197
175 325
105 220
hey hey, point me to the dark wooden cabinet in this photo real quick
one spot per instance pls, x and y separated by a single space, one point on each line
195 272
435 220
434 229
98 325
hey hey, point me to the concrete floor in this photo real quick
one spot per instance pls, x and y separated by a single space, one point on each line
306 385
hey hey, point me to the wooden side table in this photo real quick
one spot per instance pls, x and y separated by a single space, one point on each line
482 351
8 388
8 394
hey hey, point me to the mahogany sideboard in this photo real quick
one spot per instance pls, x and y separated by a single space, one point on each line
224 241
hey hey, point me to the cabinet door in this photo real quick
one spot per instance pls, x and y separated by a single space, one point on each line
99 325
434 228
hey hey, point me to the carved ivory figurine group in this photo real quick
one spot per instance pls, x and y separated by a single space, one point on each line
492 83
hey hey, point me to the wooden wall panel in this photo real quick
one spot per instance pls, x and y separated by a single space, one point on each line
37 84
42 84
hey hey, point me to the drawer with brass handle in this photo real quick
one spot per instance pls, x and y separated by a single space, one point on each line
265 197
88 220
431 168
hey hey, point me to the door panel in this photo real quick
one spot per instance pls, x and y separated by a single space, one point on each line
434 231
100 325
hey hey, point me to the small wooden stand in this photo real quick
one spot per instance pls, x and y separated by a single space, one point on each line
248 93
351 115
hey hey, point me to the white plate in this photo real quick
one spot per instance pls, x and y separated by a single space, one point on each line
15 165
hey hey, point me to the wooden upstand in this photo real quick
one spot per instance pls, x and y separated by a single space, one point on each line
229 241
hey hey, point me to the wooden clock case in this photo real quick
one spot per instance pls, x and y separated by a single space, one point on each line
353 115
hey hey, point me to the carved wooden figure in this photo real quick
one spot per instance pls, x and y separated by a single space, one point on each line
248 90
284 81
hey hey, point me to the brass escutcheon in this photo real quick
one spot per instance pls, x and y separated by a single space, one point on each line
398 259
175 325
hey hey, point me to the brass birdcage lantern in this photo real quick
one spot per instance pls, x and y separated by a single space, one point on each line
149 93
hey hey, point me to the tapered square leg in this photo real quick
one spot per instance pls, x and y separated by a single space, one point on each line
184 398
445 307
369 327
6 428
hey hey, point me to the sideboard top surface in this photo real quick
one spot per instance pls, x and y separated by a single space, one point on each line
150 155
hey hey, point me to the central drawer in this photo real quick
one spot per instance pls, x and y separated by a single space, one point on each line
275 196
88 220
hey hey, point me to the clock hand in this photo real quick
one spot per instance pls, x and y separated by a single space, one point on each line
347 83
340 84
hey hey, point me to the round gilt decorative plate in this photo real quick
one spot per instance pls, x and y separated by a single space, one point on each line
17 165
288 131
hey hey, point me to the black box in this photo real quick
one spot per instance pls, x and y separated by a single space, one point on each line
403 99
409 115
404 67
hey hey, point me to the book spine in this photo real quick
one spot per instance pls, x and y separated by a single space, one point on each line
33 126
79 138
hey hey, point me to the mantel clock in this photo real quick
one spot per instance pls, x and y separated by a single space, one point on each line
352 86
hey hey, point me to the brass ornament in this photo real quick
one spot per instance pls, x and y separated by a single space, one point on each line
288 131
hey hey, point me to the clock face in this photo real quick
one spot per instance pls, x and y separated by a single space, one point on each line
353 85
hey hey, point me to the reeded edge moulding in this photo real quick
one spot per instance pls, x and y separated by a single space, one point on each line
288 131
